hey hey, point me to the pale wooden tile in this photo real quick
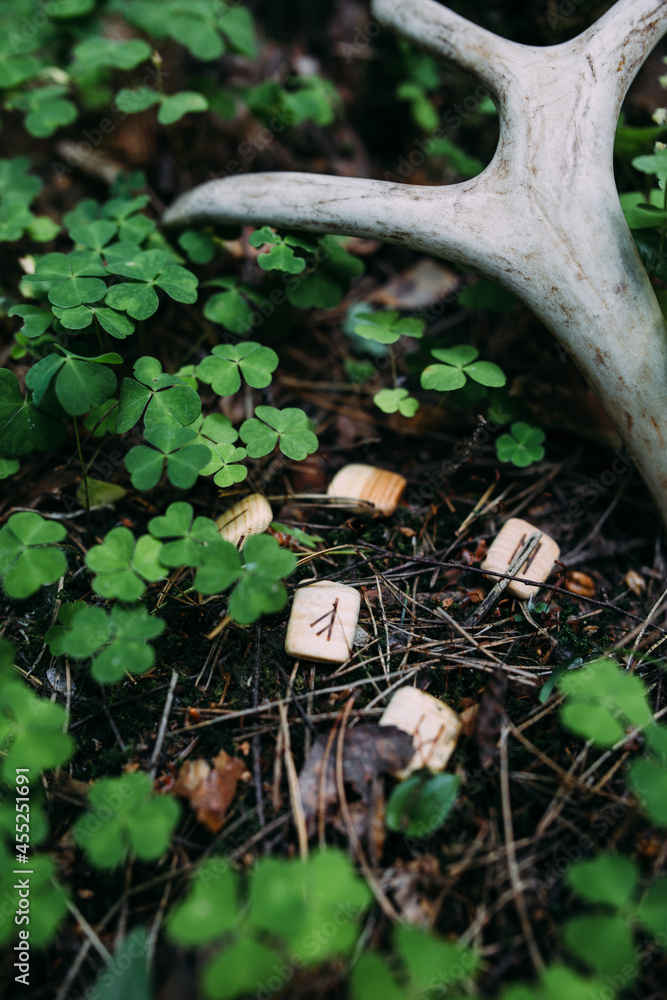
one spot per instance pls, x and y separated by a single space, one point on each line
322 623
433 725
250 516
379 487
507 545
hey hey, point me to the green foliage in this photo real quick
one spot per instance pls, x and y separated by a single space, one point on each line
126 817
172 107
522 446
126 972
217 433
190 535
230 307
223 368
18 189
396 401
281 255
29 555
290 429
149 269
31 728
603 703
123 565
258 588
160 398
80 383
23 428
603 700
421 804
116 642
427 966
457 365
386 327
207 28
273 917
176 448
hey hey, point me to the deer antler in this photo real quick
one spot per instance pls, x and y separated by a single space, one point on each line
543 219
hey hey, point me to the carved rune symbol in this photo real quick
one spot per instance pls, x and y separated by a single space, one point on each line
331 615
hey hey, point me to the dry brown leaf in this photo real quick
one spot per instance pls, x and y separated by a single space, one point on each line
210 790
367 752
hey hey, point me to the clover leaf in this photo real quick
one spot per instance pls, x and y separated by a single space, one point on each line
159 397
198 245
230 307
172 106
606 878
385 327
74 277
174 446
648 778
458 363
421 804
654 163
80 317
119 639
22 427
281 255
33 727
217 433
123 565
46 109
125 816
148 269
324 286
602 701
224 366
95 53
522 446
80 383
396 400
220 568
204 915
289 428
193 533
36 320
28 556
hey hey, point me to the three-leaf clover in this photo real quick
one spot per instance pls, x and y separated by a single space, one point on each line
224 366
149 269
259 590
396 400
120 639
123 565
385 327
522 446
217 433
174 446
159 397
80 382
191 535
74 278
125 816
29 556
281 255
290 428
458 363
47 109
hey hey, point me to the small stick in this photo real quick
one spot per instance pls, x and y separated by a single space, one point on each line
163 723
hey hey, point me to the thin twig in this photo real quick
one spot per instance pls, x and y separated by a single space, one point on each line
163 723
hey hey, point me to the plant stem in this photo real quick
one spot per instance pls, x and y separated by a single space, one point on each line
392 359
84 475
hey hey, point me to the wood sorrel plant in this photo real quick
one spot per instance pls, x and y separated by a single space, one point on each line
543 219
